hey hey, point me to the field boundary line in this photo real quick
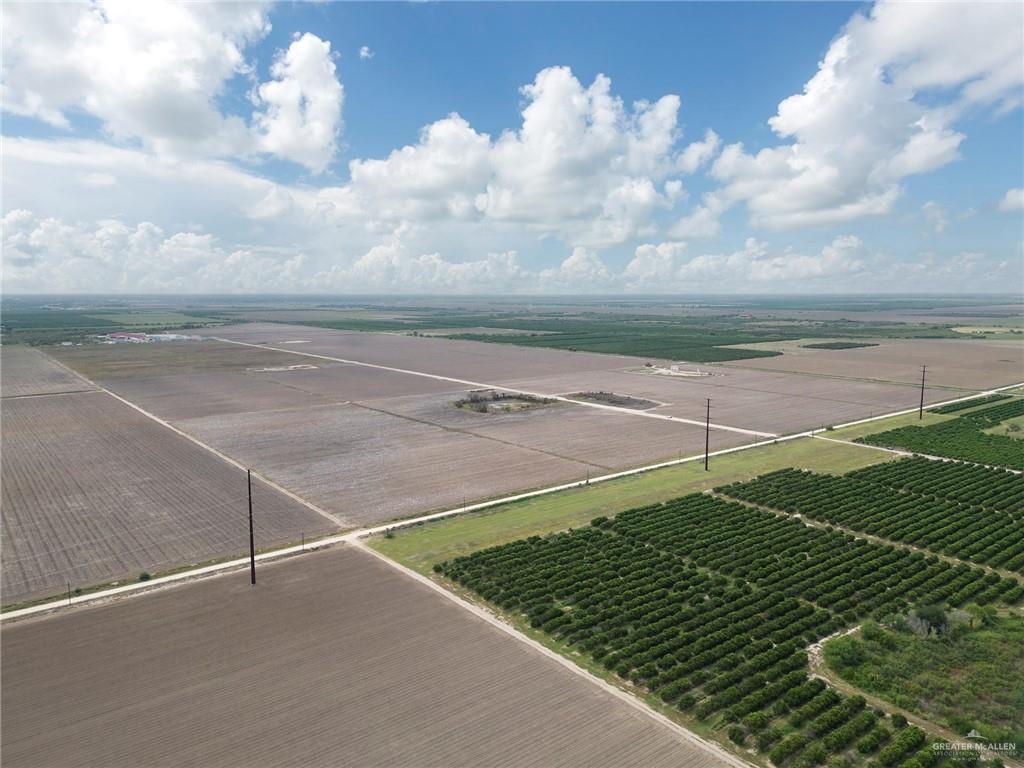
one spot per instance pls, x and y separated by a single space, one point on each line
224 457
351 536
503 388
633 701
266 481
50 394
471 433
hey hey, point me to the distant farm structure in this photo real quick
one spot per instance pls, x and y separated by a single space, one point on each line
124 337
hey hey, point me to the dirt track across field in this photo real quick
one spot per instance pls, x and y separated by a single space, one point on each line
94 491
335 661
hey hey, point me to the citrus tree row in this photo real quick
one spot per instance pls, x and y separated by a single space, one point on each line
965 532
960 438
964 404
849 576
710 605
978 486
994 414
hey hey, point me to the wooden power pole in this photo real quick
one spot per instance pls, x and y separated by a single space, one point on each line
707 435
920 408
252 539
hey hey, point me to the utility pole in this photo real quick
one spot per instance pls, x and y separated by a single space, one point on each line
707 436
920 409
252 539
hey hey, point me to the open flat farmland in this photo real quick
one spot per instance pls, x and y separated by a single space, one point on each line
367 466
761 400
970 364
775 401
370 444
711 605
27 371
604 439
174 397
471 360
94 491
127 361
333 659
192 379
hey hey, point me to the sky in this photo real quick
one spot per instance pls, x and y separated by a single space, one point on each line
513 148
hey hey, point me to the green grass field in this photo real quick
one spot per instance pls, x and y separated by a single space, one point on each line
874 427
419 547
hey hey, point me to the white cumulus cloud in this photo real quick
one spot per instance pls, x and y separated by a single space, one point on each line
1013 200
300 108
582 166
155 72
883 106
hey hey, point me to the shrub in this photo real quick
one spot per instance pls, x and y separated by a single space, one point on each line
144 576
756 721
767 737
815 754
788 746
878 736
736 734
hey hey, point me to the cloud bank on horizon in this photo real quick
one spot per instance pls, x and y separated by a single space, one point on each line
156 151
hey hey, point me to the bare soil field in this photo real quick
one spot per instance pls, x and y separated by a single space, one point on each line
605 439
762 400
124 361
175 397
408 451
94 491
366 465
971 364
334 659
27 371
469 360
356 382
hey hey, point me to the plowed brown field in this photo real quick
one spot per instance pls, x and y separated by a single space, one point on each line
94 491
27 371
333 659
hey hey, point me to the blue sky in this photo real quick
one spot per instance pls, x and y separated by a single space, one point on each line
434 58
810 147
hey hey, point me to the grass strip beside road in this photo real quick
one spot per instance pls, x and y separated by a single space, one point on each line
883 425
420 546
